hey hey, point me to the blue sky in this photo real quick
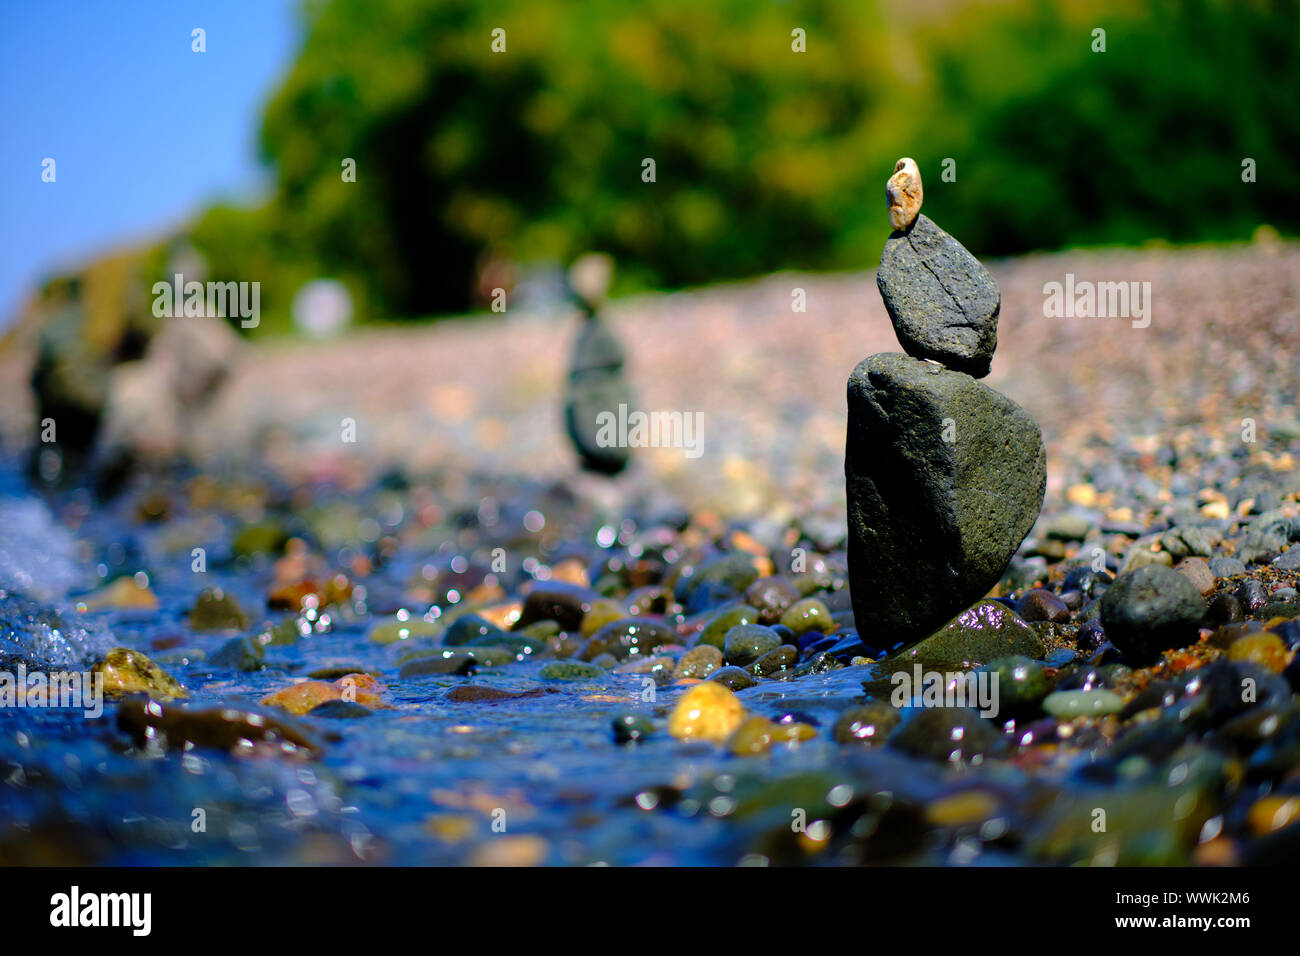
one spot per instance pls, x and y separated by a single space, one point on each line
144 131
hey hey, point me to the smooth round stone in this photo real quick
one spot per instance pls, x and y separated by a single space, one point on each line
1073 600
948 734
868 724
458 664
715 632
471 629
629 637
772 597
1042 605
1022 682
752 737
734 678
1289 595
1151 610
699 662
215 610
1198 572
1066 704
746 643
570 670
631 728
708 711
558 601
809 614
1226 567
775 661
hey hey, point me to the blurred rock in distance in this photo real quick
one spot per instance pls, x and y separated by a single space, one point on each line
322 308
590 277
596 382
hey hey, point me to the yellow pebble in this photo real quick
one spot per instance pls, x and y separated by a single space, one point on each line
1273 813
973 806
1264 649
708 711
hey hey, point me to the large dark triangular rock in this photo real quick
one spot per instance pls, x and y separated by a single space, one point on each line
942 301
944 477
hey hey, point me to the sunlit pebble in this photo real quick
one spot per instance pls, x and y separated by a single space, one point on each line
534 521
605 536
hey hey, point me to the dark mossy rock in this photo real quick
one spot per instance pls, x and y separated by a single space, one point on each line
982 633
746 643
472 629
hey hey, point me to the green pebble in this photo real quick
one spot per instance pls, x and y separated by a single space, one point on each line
570 670
1064 704
810 614
715 632
746 643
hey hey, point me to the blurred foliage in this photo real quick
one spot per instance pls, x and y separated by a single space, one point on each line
765 158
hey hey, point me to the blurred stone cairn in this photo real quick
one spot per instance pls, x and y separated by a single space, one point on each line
944 475
596 382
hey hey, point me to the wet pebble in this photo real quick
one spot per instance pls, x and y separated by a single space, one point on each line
707 711
746 643
735 678
631 728
1042 605
1067 704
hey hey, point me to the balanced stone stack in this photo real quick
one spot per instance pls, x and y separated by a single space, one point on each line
944 475
596 382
